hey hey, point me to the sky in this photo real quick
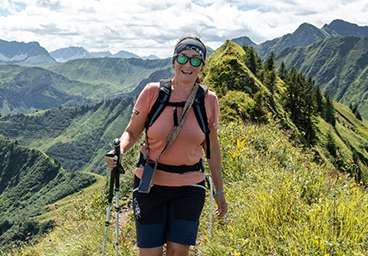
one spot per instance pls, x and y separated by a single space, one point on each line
152 27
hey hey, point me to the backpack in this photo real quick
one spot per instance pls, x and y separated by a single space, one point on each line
198 106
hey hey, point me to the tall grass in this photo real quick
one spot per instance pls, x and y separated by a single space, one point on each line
280 203
80 231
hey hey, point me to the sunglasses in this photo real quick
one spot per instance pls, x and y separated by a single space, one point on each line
194 61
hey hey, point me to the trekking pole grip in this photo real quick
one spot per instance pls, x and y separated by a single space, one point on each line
119 168
117 147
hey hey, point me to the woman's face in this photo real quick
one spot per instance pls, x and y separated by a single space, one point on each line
187 72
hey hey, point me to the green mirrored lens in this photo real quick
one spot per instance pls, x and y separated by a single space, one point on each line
196 62
181 59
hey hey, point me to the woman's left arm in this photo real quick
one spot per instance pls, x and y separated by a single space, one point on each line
216 172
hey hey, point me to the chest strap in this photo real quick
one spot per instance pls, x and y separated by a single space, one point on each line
171 168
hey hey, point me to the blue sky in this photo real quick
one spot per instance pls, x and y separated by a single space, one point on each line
146 27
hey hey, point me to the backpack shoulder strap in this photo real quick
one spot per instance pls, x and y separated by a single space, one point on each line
200 113
160 103
199 107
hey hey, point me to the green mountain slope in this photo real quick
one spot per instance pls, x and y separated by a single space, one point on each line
346 143
109 77
280 203
78 137
338 65
77 82
26 89
29 180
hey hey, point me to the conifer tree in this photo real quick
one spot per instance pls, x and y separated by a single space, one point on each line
331 144
300 102
270 83
354 109
319 100
310 110
269 64
253 62
291 96
329 110
282 72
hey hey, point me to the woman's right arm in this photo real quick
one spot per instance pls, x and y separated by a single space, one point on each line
132 133
129 137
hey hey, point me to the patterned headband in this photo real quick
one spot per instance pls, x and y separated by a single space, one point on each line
191 44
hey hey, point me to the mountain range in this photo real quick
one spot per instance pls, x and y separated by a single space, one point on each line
25 89
305 35
30 54
33 54
74 52
335 56
341 72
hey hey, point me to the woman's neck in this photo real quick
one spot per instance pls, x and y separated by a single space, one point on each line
180 89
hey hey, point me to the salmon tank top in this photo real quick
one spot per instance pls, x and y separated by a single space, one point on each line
186 148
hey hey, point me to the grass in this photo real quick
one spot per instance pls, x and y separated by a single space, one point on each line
80 220
280 203
53 210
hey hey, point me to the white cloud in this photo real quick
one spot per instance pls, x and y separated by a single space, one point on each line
147 27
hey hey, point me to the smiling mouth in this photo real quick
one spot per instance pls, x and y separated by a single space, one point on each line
187 72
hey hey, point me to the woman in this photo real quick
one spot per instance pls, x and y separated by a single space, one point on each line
170 212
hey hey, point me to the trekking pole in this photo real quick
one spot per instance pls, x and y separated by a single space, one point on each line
114 180
210 184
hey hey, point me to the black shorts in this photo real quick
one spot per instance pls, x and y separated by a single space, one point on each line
167 214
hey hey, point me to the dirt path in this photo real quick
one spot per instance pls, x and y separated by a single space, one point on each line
125 211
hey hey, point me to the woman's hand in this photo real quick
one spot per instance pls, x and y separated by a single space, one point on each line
130 136
221 205
111 163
